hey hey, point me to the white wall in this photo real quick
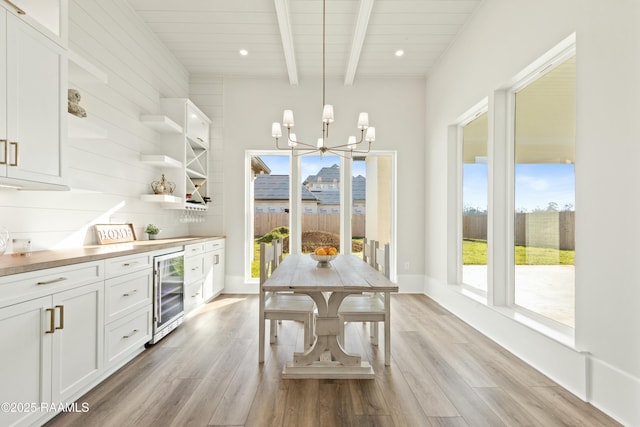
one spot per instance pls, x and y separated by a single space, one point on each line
105 175
503 38
394 107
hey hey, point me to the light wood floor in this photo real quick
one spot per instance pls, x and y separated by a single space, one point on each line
443 373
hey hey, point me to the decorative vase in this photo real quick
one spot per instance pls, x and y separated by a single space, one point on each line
152 236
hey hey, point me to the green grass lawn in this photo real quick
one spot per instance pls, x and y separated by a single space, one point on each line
475 252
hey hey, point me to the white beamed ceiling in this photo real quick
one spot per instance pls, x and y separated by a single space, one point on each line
207 35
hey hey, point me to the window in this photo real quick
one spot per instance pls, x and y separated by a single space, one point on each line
475 201
544 193
317 212
270 202
321 198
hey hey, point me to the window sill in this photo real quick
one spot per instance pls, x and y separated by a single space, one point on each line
558 332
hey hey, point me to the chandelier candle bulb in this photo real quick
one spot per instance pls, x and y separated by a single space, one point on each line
320 143
287 119
363 121
327 114
276 131
292 140
351 143
370 136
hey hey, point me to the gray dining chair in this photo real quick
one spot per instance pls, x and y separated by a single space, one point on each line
276 306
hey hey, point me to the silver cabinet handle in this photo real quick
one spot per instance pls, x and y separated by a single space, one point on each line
19 11
130 293
135 331
48 282
129 264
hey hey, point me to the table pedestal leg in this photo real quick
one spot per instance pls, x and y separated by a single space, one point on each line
326 358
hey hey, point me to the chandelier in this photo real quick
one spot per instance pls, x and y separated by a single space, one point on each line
353 144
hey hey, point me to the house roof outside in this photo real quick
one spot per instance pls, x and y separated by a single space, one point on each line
276 187
326 174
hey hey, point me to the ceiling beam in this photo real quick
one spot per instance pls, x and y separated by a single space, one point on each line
284 22
359 33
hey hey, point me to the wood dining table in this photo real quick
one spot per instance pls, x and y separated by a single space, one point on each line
328 286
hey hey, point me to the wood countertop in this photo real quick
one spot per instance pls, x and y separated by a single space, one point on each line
39 260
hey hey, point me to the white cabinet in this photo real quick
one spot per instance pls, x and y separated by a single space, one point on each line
25 362
33 119
50 17
194 274
128 307
51 327
184 156
214 268
77 340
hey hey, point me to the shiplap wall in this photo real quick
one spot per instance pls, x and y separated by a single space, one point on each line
106 175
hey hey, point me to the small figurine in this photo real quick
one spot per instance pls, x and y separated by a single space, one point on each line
73 96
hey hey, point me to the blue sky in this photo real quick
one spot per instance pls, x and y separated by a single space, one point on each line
536 186
311 165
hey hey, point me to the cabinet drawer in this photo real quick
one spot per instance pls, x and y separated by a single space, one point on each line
212 245
127 293
127 264
127 334
193 268
195 249
193 296
19 287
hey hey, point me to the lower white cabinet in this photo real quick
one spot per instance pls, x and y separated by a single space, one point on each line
194 274
53 350
129 303
214 268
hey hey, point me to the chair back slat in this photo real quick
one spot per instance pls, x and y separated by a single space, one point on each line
369 251
278 252
266 261
382 260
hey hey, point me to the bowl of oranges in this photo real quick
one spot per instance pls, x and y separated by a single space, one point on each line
323 255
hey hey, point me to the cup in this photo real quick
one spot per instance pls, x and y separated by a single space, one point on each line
22 247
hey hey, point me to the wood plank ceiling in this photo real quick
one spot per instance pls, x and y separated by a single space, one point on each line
283 38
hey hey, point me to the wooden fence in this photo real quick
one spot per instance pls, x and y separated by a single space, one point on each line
265 222
538 229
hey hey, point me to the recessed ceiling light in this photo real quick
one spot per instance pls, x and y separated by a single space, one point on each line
244 52
399 52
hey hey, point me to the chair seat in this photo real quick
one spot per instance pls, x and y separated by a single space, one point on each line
289 304
361 304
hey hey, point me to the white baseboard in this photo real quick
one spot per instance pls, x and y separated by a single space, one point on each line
614 392
237 285
410 283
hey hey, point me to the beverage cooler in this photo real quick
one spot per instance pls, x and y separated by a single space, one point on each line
168 294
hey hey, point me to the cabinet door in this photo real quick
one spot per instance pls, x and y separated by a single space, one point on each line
36 104
197 126
207 287
4 147
218 270
78 340
25 361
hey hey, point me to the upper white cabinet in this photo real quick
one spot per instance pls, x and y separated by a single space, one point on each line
184 156
48 16
34 116
197 125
